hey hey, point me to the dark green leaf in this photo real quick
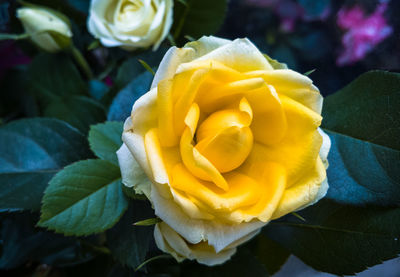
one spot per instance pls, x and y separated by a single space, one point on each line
61 92
97 89
130 193
55 75
84 198
146 66
79 111
105 140
129 243
4 17
22 243
362 173
148 222
80 5
340 239
365 155
243 263
275 63
15 102
32 151
269 253
198 18
121 106
367 109
131 68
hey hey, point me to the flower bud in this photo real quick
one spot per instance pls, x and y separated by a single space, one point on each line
47 28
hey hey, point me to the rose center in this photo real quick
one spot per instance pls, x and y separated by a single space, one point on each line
225 137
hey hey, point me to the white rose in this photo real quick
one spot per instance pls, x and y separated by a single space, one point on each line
130 24
47 28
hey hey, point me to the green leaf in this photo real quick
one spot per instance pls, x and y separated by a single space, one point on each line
364 123
97 89
55 74
22 243
367 109
362 173
80 5
309 72
84 198
61 92
79 111
121 107
105 140
128 243
198 18
269 253
275 63
130 192
340 239
146 66
243 263
148 222
32 151
130 70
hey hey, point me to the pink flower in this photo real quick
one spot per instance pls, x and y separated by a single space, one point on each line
363 32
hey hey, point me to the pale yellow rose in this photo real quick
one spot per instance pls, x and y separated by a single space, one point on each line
228 144
130 24
47 28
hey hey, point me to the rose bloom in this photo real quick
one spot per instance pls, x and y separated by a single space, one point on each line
228 143
130 24
47 28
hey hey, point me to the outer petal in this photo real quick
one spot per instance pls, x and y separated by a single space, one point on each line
294 85
170 241
307 191
168 19
172 59
218 234
215 49
326 146
144 118
239 54
132 174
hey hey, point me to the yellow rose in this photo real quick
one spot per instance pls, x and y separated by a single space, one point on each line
228 144
130 24
47 28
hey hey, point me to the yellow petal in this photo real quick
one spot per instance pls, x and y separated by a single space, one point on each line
292 84
225 139
304 192
228 149
155 158
192 158
237 196
271 178
269 122
299 149
186 97
221 95
165 113
240 55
